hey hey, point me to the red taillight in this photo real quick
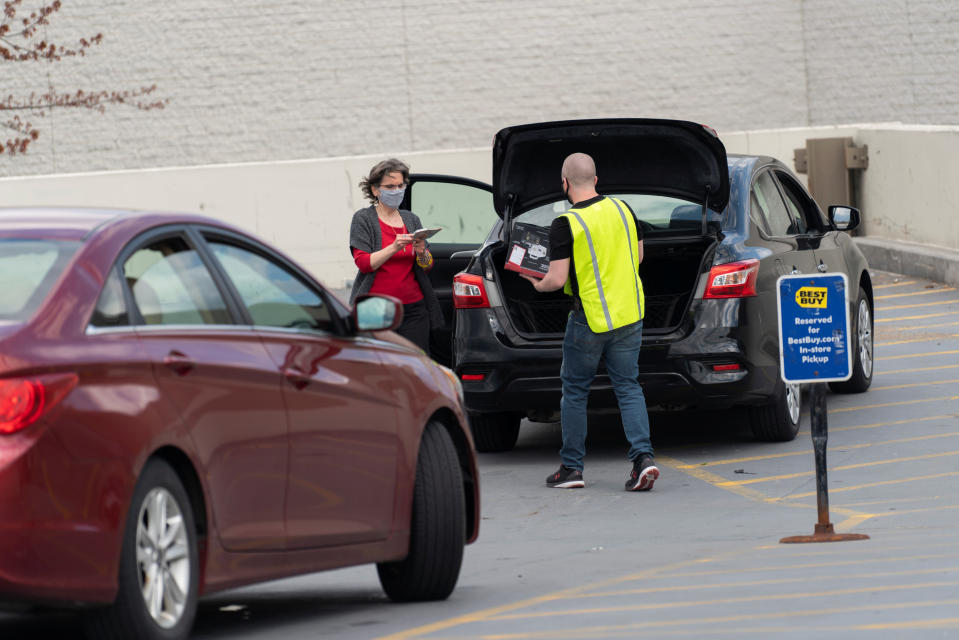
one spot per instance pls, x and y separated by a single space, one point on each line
732 280
726 367
24 400
469 292
475 377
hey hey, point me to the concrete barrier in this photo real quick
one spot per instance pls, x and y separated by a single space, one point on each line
910 198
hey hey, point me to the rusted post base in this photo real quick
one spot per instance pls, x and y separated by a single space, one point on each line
824 533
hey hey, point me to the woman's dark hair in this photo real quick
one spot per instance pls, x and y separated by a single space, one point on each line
379 170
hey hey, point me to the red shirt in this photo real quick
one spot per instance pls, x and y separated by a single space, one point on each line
395 276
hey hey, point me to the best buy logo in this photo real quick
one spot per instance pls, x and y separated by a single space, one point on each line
811 297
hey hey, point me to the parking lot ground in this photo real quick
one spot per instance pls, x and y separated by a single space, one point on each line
703 557
699 556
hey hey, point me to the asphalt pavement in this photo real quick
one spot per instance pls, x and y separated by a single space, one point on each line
700 555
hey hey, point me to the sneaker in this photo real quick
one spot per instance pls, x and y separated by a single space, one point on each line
643 475
566 478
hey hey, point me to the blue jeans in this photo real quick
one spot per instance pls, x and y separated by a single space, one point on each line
582 350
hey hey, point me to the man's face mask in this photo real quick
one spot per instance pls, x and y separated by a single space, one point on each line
392 197
566 191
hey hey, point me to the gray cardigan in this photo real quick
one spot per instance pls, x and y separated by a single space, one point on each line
365 235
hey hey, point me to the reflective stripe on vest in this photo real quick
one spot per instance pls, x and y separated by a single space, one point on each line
609 287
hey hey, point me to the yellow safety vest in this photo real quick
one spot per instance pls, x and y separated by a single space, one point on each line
606 262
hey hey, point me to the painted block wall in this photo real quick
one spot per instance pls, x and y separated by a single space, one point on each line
249 81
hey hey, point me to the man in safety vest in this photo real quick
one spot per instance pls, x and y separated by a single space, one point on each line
595 251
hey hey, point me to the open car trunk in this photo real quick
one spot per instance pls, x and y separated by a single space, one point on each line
670 272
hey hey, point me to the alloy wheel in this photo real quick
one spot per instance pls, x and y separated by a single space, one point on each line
163 558
793 402
865 338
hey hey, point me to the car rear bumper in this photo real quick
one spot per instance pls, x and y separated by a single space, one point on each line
673 372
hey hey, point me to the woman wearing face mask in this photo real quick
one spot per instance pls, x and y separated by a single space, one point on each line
389 260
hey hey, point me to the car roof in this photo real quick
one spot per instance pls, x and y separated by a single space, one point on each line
77 223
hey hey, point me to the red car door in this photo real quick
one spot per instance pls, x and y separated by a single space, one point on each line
342 423
224 385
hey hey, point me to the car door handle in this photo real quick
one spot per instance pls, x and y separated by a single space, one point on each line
179 362
296 377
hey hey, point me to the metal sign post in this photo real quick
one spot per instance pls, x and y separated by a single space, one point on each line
814 348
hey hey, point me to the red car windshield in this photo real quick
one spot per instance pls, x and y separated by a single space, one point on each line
28 269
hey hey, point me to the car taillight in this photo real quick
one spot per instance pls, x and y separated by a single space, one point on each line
732 366
24 400
732 280
469 292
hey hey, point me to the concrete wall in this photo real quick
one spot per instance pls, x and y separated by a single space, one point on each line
909 191
250 81
303 207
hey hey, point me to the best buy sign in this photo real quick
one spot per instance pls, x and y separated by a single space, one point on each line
812 297
814 341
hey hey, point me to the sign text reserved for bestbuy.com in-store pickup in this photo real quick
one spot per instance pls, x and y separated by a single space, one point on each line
814 328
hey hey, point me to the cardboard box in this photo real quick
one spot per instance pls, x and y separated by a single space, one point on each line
529 250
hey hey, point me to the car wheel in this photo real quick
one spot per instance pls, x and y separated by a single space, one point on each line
861 377
494 432
159 564
437 527
778 421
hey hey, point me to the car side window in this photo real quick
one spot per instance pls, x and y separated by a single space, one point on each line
274 296
765 193
465 213
171 285
111 309
801 208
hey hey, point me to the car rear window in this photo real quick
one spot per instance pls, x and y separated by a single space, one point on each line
28 269
661 215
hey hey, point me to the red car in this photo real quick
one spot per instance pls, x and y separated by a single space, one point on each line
183 409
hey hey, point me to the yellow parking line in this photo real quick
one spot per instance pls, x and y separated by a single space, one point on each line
845 467
892 404
928 354
921 304
894 284
819 579
806 452
492 612
881 483
769 597
923 317
694 627
915 384
888 501
713 479
938 623
831 563
914 293
914 340
750 494
947 416
909 512
920 327
915 370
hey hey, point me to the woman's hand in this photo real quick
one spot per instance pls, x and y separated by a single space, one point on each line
402 241
419 246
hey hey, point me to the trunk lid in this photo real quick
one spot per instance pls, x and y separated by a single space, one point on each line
638 155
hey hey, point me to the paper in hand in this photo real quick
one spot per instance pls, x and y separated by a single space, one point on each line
427 232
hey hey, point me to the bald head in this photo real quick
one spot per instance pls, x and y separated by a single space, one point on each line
580 171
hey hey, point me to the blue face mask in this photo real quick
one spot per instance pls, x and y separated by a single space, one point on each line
392 197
